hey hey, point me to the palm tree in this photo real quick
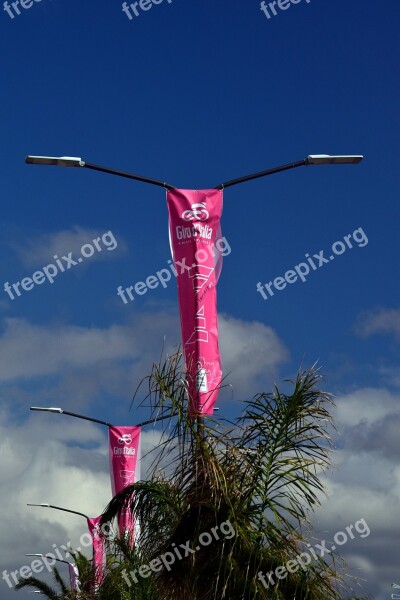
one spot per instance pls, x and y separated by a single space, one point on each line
260 474
225 511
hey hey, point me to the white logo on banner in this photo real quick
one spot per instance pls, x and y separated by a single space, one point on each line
198 213
200 275
126 438
127 477
200 334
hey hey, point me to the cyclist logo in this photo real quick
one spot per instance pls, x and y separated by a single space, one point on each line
126 438
198 213
128 477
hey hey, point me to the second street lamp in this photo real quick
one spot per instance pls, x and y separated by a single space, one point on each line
95 532
72 569
124 454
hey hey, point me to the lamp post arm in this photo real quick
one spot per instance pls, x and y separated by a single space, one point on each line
155 420
231 182
93 420
128 175
45 505
71 414
74 512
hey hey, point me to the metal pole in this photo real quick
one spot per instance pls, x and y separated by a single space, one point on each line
129 175
200 426
71 414
93 420
74 512
231 182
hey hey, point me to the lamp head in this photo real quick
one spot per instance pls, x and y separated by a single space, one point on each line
60 161
51 409
340 159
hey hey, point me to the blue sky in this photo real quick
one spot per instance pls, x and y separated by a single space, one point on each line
196 93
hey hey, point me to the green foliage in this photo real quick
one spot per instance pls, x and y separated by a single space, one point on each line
46 590
261 474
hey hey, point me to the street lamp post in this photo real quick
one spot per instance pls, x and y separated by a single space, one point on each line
72 569
311 159
67 510
52 409
49 556
93 526
45 505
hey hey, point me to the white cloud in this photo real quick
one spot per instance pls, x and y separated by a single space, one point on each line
383 321
28 350
251 352
366 405
365 484
39 250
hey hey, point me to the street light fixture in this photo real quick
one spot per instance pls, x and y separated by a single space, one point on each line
74 161
49 556
89 521
48 409
61 411
72 569
60 161
326 159
45 505
312 159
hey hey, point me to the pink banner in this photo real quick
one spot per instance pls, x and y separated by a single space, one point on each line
194 226
124 466
74 577
98 549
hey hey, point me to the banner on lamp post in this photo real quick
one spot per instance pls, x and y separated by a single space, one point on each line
194 228
124 467
74 577
98 549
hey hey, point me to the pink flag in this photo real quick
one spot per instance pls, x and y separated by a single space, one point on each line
124 466
74 577
98 549
194 227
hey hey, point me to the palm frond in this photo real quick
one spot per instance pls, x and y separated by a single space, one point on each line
39 585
